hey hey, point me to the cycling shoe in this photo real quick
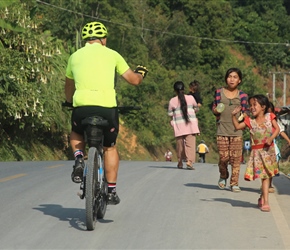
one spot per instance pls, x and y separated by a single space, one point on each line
113 199
78 169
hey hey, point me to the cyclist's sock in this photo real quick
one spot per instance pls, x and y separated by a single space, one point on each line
78 154
111 187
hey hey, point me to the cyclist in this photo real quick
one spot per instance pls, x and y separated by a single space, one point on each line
202 149
90 87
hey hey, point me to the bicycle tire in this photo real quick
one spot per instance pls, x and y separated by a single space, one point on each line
91 183
102 206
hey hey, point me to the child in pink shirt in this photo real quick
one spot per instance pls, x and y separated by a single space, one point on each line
185 124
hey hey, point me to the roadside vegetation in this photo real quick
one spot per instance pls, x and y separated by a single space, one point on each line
176 40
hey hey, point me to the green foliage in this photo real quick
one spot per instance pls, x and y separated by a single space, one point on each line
31 65
176 40
266 22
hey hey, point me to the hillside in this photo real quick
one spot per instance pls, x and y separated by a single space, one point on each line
130 149
17 146
22 148
175 40
268 79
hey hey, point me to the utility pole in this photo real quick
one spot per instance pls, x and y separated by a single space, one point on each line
284 91
274 88
284 86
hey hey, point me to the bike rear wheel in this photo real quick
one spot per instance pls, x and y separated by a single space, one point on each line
102 201
92 188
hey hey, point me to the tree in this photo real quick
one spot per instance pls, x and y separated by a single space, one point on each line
31 65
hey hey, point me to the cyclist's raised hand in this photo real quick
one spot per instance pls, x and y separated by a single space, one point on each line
142 70
67 104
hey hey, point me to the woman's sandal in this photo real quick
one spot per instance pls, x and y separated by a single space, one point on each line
265 208
189 166
235 189
222 183
271 190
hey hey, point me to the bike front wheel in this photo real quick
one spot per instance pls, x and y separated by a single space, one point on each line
91 188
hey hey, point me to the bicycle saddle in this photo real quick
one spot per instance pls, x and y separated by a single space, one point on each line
95 120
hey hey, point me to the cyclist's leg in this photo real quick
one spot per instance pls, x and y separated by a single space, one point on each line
77 142
76 137
78 146
203 158
111 156
111 162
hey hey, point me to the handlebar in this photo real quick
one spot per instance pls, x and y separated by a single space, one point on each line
67 104
127 109
122 109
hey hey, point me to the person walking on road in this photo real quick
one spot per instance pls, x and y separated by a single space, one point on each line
229 140
277 150
202 150
168 155
263 129
185 124
194 91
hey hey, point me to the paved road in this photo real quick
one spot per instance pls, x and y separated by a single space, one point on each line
161 207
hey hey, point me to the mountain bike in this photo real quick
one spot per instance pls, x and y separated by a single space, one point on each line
94 186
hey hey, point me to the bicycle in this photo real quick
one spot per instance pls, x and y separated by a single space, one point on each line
94 185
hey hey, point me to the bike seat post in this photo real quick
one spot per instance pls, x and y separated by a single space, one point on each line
94 130
94 136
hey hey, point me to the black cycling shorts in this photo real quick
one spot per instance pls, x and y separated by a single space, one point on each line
110 114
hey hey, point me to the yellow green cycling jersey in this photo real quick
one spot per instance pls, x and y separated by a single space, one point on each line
93 70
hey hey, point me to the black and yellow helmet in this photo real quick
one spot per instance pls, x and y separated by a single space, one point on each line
93 30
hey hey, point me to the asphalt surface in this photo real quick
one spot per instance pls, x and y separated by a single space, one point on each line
161 207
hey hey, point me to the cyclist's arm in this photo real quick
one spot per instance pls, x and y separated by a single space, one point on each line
69 89
133 78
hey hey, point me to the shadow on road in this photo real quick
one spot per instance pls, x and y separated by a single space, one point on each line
209 186
201 185
234 203
75 216
171 167
282 184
